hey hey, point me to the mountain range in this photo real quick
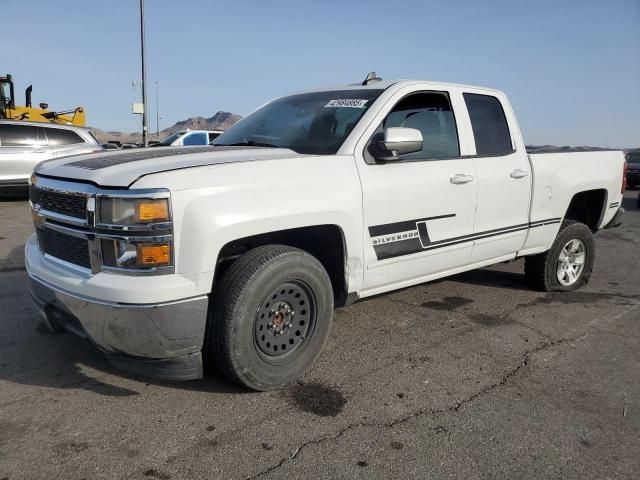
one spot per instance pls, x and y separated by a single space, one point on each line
219 121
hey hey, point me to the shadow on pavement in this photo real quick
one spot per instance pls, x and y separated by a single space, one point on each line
31 355
493 278
58 361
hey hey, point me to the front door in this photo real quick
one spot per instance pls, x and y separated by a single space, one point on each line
419 211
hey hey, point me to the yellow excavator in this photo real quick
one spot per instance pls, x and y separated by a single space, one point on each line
9 109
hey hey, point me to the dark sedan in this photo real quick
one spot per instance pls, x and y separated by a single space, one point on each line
633 169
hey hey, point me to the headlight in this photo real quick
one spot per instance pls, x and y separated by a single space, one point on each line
133 211
136 232
125 254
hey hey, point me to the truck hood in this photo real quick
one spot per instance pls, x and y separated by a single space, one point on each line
122 168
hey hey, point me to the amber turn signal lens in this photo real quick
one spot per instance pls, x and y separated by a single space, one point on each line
154 255
153 211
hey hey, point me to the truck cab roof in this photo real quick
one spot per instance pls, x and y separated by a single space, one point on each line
399 83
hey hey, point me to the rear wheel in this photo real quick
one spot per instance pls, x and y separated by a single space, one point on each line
567 265
270 317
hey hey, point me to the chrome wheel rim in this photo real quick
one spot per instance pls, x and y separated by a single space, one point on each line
571 262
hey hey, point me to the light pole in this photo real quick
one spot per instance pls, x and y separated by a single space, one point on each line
145 120
157 115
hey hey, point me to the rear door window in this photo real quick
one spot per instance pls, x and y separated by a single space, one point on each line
489 124
59 136
21 136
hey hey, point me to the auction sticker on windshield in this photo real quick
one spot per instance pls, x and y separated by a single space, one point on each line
347 103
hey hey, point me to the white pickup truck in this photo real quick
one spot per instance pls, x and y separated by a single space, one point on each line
234 255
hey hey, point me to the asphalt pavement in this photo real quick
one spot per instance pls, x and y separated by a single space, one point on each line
474 376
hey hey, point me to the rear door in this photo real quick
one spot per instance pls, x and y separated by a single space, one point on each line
503 178
22 147
65 142
417 217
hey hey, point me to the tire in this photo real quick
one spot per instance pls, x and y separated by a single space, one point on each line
542 271
269 318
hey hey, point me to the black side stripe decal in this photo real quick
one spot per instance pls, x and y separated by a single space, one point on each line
614 205
404 226
413 236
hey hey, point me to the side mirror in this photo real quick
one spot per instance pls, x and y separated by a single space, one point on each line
397 141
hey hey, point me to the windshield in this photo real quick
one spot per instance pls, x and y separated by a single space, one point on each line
313 123
5 93
171 138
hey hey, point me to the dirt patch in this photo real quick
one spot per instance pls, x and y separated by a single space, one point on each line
208 442
448 303
153 473
71 447
316 398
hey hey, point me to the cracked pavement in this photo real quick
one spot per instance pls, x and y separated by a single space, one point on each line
474 376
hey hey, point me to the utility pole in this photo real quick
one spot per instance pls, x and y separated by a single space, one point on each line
145 119
157 115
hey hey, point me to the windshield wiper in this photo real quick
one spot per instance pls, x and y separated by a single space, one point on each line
248 143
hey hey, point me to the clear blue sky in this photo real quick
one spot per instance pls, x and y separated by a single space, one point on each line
571 68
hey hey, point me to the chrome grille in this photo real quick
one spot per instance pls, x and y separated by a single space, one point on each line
70 204
65 247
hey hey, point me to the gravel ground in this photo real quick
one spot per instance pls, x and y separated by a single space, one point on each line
475 376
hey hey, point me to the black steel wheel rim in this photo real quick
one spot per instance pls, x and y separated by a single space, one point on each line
285 321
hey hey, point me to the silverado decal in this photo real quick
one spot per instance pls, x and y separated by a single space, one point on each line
412 236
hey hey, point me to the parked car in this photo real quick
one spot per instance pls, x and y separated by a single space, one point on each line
129 146
189 137
25 144
236 256
633 169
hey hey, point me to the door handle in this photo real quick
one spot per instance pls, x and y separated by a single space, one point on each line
39 151
519 173
460 178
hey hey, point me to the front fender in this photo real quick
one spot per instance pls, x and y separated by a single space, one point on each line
215 205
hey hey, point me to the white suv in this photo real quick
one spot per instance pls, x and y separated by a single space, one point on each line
25 144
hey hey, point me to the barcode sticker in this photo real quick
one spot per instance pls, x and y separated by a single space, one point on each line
347 103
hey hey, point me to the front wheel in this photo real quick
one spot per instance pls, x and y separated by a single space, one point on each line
567 265
270 317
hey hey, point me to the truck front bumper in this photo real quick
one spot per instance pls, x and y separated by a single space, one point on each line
159 340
